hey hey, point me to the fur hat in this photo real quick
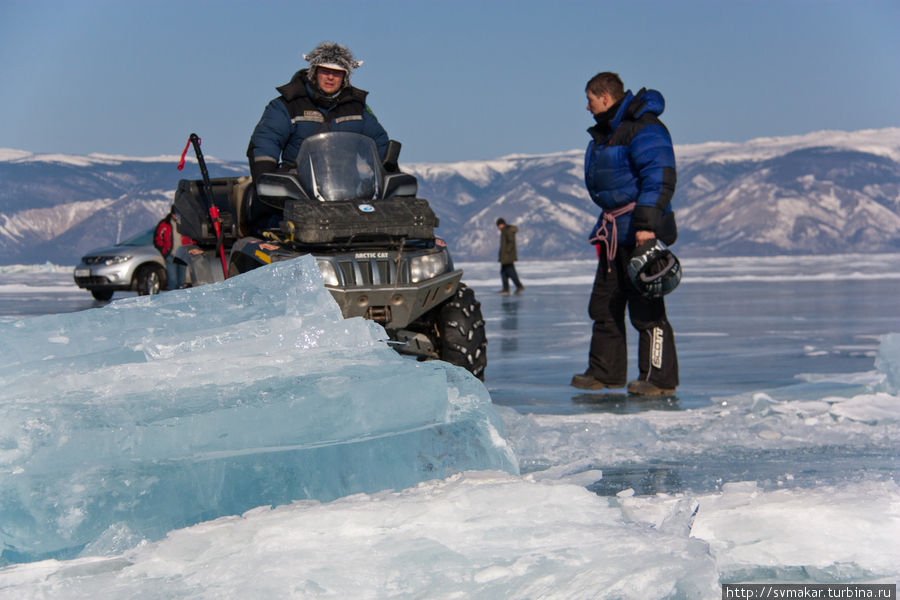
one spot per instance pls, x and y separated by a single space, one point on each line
332 56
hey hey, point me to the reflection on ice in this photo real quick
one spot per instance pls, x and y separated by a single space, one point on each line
154 413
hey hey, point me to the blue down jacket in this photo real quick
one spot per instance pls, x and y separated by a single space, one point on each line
632 160
299 113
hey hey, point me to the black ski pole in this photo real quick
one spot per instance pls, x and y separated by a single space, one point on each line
213 209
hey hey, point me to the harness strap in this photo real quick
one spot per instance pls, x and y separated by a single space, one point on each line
603 234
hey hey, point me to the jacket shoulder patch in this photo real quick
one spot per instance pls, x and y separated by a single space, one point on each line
312 116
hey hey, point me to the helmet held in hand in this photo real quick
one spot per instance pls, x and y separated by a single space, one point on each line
653 269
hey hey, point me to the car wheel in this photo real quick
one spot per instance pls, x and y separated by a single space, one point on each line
150 280
102 295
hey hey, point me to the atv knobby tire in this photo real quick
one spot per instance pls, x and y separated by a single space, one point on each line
463 341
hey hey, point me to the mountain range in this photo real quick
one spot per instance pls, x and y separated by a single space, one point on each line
828 192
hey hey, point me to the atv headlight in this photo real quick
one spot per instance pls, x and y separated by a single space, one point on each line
427 266
328 273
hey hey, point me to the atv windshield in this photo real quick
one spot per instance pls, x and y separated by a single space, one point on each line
339 165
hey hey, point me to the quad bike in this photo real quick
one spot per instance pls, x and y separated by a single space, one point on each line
372 239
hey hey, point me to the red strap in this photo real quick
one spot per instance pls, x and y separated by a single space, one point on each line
183 152
610 237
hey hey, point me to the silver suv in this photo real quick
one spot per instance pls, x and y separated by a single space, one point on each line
133 265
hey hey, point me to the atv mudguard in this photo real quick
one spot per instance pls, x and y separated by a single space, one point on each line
203 264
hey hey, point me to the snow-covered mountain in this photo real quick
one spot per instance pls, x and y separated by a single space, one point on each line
55 207
824 192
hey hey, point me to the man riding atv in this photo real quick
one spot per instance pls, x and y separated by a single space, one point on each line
316 100
326 183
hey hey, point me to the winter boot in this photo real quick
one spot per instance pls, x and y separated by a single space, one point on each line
586 381
640 387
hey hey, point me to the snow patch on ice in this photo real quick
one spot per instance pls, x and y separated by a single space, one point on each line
762 421
824 535
472 535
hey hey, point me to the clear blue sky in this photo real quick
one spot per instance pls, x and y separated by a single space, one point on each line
451 80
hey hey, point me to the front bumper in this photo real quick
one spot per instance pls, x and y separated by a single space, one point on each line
102 277
397 306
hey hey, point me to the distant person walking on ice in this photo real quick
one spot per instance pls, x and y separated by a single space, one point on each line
508 256
630 175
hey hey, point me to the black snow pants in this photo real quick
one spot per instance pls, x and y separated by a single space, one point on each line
507 272
608 358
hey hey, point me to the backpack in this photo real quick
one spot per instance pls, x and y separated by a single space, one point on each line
162 235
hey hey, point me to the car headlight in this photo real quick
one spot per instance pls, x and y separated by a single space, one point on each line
115 260
328 273
427 266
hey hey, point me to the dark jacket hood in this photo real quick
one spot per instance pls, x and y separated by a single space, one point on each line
634 106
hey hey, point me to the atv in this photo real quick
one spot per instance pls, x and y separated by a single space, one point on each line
372 239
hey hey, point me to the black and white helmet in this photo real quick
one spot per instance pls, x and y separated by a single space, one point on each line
653 269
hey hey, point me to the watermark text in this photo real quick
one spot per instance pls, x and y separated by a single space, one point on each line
847 591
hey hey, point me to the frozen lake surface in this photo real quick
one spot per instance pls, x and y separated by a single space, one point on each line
776 460
799 328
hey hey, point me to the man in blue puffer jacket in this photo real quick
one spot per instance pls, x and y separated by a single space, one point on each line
629 170
316 100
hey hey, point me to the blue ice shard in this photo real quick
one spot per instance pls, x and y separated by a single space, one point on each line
154 413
